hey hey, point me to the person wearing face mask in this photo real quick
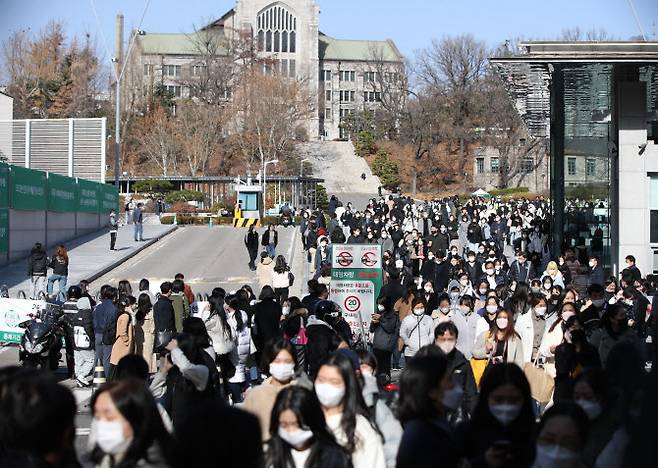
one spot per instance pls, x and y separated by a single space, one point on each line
521 269
553 272
416 330
299 436
126 429
594 308
266 320
443 313
480 294
490 309
500 344
385 324
614 329
472 268
461 399
425 387
469 324
561 437
554 335
595 273
346 413
590 392
279 360
501 430
532 326
429 295
386 422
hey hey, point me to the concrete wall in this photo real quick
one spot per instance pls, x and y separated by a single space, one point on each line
6 107
634 176
61 227
25 228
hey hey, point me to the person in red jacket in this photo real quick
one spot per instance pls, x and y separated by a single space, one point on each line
187 291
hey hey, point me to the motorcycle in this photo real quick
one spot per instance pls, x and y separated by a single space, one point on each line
285 220
41 343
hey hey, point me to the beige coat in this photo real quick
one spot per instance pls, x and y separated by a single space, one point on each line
514 349
144 340
124 343
264 271
402 308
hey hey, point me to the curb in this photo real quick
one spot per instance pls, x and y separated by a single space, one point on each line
119 262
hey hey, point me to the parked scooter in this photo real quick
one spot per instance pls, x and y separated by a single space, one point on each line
285 220
41 343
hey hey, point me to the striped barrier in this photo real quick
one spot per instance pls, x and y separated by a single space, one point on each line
246 222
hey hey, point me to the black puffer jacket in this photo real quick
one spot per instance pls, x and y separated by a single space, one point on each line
37 264
60 265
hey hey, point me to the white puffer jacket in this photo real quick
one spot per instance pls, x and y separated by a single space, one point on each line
221 341
242 348
280 280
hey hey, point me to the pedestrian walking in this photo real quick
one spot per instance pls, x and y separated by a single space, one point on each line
83 342
270 240
113 226
138 219
124 336
282 279
251 242
105 315
37 270
60 265
145 332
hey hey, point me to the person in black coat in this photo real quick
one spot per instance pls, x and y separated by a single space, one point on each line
522 271
251 242
163 311
37 269
427 439
596 275
322 338
266 320
270 240
394 289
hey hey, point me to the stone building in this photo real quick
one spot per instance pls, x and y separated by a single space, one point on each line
341 73
529 169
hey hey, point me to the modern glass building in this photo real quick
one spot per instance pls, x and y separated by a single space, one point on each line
598 104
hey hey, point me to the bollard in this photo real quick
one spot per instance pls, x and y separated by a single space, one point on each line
99 375
210 222
175 220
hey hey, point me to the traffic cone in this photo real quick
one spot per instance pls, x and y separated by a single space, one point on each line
99 375
175 220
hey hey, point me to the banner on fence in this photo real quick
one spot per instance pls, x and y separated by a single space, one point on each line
89 196
28 189
110 198
62 193
4 230
4 185
13 312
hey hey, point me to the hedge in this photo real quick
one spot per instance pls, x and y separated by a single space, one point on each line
508 191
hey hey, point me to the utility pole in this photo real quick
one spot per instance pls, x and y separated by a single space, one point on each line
117 94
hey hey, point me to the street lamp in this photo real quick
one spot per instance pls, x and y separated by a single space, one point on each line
117 108
265 163
301 166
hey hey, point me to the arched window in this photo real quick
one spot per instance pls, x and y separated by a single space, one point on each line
261 41
277 48
277 28
284 41
293 37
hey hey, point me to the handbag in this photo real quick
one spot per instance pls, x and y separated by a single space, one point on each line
541 383
478 367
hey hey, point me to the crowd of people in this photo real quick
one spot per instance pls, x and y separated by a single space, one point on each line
484 351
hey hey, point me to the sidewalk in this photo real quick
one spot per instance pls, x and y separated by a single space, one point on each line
90 256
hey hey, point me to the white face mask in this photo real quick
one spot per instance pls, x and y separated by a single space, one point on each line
463 282
490 272
428 289
492 309
453 397
109 436
550 456
567 315
329 395
282 372
285 310
501 323
381 308
540 311
447 346
483 291
592 408
505 413
444 310
297 439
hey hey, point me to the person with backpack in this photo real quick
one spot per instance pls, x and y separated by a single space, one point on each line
123 335
83 342
105 316
37 270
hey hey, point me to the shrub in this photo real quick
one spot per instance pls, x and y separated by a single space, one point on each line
184 196
182 207
386 170
153 186
364 143
321 196
508 191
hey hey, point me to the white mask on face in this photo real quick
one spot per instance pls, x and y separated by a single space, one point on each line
444 310
428 289
555 456
285 310
296 438
453 397
419 312
329 395
492 309
109 436
447 346
592 408
463 282
540 311
490 272
501 323
505 414
282 372
567 315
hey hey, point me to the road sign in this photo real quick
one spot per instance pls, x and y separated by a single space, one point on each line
13 312
356 279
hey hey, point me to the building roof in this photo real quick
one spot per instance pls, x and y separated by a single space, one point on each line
584 52
179 43
351 50
4 93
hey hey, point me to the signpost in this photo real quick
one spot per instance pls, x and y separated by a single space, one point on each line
13 312
356 280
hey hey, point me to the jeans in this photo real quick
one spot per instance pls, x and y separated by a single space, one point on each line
62 283
139 231
113 240
281 294
37 285
271 250
103 352
84 364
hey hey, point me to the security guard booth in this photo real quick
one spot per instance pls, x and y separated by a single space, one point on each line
249 206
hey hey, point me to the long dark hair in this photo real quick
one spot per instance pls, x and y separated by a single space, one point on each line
234 303
518 303
420 376
216 303
310 416
136 403
143 307
280 265
509 332
197 329
353 403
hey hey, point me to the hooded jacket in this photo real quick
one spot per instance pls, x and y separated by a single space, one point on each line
264 271
82 322
37 264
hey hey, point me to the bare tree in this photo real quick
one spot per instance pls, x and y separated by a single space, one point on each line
199 131
157 142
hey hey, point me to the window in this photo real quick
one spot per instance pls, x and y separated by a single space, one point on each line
197 70
372 96
327 96
325 75
495 165
283 65
276 28
292 72
148 69
345 112
327 113
590 168
171 70
347 96
571 166
370 77
527 165
347 76
479 165
174 89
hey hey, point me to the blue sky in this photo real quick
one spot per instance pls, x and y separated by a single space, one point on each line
410 23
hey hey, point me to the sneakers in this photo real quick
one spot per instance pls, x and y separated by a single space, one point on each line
82 383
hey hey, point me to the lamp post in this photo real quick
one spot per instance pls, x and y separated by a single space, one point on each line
301 166
265 163
117 108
